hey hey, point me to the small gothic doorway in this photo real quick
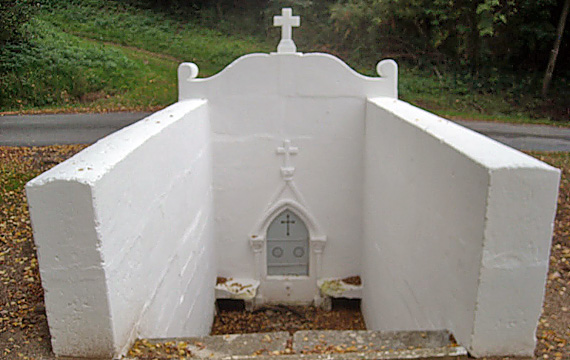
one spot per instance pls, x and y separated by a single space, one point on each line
287 246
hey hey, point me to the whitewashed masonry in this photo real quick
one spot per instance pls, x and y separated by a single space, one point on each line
447 228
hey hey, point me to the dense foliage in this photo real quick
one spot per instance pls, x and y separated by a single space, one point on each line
515 34
491 46
14 13
473 34
472 46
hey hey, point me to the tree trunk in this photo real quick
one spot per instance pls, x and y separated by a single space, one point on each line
219 10
555 48
473 37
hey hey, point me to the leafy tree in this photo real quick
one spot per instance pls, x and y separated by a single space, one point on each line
467 32
554 53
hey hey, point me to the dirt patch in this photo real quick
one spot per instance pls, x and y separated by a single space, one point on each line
84 110
352 280
553 331
145 350
232 318
93 96
222 280
23 326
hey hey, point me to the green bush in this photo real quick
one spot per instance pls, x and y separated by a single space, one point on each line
13 14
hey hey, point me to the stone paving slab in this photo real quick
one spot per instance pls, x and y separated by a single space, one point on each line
317 345
423 354
306 341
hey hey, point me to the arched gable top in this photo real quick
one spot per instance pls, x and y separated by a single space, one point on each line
260 231
288 75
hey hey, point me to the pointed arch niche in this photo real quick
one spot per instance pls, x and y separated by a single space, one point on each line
298 287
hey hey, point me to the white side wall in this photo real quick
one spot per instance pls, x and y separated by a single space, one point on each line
71 267
440 246
423 228
521 205
329 134
136 240
318 103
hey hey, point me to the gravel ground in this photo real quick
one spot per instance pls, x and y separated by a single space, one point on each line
23 327
232 319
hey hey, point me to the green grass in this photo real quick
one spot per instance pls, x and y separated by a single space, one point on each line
211 50
108 58
454 98
12 179
63 70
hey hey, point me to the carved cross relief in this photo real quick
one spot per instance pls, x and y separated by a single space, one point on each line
287 151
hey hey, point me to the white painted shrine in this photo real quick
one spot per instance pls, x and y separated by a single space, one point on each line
282 171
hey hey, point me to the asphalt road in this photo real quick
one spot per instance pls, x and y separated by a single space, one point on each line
38 130
523 137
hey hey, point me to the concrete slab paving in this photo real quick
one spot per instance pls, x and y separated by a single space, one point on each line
306 341
420 354
323 344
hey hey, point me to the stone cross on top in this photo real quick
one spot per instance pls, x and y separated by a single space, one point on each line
287 21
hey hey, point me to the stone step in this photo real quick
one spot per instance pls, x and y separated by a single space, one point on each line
310 344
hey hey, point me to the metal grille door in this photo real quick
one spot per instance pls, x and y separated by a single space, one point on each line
287 246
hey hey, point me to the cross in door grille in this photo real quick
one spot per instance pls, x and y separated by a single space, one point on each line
288 222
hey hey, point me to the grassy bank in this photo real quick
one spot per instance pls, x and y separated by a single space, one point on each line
59 70
103 58
92 56
156 32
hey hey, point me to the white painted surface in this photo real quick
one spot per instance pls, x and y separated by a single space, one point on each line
287 21
337 288
521 206
448 229
258 103
124 234
457 229
243 289
276 77
71 267
250 182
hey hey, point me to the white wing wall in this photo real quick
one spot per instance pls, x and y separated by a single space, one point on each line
457 231
124 235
